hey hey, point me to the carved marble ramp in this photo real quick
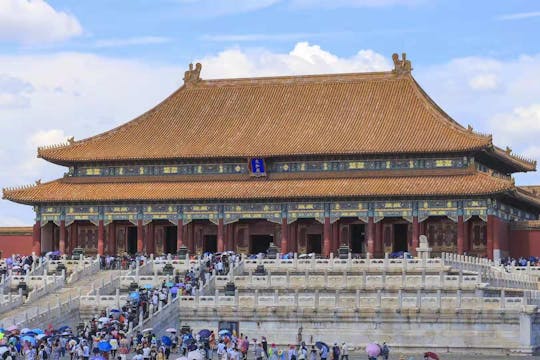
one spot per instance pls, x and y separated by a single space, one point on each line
52 299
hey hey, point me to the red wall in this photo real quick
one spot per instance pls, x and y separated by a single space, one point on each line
525 243
15 244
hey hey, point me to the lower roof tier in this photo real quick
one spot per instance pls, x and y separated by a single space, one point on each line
67 190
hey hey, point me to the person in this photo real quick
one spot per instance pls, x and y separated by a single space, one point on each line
258 352
265 346
344 351
313 353
324 353
291 353
335 351
385 351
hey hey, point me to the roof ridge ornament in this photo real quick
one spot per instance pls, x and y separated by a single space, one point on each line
193 76
401 66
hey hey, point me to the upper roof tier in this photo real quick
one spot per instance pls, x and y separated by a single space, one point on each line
362 113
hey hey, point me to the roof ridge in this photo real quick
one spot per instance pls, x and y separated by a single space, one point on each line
434 107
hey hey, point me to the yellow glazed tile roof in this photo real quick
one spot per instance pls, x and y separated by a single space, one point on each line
365 113
66 190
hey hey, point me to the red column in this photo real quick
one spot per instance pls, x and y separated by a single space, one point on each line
371 236
112 238
140 236
150 238
378 239
498 233
36 238
335 236
326 242
460 235
179 234
466 237
220 246
415 235
74 235
62 242
489 237
100 242
284 236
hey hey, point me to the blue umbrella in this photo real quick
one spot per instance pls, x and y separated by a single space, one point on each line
30 339
166 340
104 346
115 311
30 333
38 331
134 295
148 286
63 328
224 332
320 345
204 333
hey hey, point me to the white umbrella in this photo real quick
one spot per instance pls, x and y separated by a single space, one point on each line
103 319
195 355
25 330
171 330
3 349
40 336
147 330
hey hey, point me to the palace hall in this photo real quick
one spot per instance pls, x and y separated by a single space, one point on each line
309 163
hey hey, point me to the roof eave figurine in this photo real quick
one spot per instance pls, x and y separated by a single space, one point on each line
402 66
193 76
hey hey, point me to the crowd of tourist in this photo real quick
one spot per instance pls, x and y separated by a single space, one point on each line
521 261
17 264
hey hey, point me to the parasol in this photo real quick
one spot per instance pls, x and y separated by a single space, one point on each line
166 340
104 346
373 350
170 330
204 333
320 345
431 355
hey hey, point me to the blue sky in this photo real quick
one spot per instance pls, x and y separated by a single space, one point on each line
74 67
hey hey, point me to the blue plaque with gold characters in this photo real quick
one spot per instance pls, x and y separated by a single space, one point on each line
257 167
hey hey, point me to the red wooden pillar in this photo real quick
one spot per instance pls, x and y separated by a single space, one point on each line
74 241
179 234
150 238
36 238
371 236
466 236
335 235
498 233
220 246
62 242
489 237
460 235
191 238
284 236
140 236
378 239
415 235
100 241
326 231
112 238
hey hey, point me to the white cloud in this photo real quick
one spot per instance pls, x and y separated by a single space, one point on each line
519 16
303 59
522 125
73 94
33 21
14 92
483 82
133 41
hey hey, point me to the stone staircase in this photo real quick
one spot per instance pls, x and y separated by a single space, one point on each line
53 298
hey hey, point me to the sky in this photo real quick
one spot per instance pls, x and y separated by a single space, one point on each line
81 67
